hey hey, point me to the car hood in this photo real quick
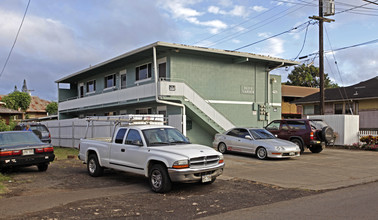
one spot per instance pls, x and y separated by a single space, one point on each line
186 150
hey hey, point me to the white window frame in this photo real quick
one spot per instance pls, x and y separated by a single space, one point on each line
106 82
145 79
87 87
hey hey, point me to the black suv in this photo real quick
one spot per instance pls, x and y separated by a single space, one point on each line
39 129
311 133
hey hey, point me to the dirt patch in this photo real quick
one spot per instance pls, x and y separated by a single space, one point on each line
185 201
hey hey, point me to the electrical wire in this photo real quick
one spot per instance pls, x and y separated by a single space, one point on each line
15 40
304 41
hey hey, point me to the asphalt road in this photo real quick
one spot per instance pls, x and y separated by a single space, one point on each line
358 202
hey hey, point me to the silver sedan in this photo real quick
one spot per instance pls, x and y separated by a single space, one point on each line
257 141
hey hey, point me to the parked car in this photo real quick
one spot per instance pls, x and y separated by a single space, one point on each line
24 148
257 141
39 129
311 133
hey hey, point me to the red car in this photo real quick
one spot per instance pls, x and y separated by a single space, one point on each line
24 148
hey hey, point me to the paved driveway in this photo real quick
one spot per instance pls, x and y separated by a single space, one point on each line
330 169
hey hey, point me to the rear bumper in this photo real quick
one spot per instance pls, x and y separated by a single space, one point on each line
20 161
194 175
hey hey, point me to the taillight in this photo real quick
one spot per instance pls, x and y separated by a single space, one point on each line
43 150
312 135
10 153
48 149
38 150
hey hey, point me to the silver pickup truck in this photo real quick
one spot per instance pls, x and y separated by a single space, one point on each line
158 152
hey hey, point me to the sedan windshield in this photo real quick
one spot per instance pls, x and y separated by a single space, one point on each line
164 136
8 139
261 134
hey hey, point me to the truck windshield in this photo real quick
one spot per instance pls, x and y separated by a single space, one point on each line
164 136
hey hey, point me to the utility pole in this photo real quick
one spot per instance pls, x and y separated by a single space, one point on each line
321 20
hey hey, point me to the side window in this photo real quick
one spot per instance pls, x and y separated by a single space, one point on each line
284 127
120 135
133 136
233 132
275 125
297 125
243 133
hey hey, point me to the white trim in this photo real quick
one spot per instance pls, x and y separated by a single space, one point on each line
275 104
229 102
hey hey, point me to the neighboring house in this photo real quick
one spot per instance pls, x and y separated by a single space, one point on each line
290 94
7 114
359 99
201 91
37 108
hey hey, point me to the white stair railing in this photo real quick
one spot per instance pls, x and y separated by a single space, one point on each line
168 88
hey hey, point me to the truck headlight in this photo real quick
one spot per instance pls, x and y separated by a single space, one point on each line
181 164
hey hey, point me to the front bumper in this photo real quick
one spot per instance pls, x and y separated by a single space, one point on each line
194 174
288 154
21 161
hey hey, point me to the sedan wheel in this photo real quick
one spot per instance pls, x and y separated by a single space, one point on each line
222 148
261 153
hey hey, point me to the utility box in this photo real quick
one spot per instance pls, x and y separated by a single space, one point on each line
345 126
328 7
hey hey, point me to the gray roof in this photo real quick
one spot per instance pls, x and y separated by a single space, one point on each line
146 52
364 90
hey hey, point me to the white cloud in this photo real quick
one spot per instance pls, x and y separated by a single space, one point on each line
237 11
258 8
273 47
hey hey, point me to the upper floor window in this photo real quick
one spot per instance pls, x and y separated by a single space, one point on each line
110 81
143 72
91 86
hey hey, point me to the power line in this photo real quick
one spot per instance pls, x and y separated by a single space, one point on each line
294 28
304 42
15 40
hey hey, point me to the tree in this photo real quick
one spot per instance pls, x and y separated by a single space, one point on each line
52 108
17 100
308 76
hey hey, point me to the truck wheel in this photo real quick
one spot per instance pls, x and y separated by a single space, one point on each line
222 148
316 149
159 179
299 143
261 153
42 167
93 166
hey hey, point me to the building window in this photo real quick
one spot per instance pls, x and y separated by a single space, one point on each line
143 72
91 86
110 81
143 111
349 108
163 70
338 108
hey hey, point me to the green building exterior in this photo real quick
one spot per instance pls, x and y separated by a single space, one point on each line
201 91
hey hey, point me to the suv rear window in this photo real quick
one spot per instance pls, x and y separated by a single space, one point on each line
297 125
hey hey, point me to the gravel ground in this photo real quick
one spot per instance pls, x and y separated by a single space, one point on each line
185 201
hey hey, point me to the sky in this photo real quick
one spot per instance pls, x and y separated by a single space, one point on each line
58 38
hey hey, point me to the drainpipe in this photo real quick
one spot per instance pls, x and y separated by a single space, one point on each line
167 102
269 87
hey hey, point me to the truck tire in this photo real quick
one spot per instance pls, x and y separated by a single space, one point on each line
159 179
93 166
316 149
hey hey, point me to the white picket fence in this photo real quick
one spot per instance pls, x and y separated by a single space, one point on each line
367 133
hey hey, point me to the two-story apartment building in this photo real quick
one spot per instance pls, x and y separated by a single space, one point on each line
201 91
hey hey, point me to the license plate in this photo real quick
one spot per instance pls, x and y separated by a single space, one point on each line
206 178
292 153
28 152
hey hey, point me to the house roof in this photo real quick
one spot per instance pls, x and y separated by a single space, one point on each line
8 111
163 47
297 91
36 104
364 90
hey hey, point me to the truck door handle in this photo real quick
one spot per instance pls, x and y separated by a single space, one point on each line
122 150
